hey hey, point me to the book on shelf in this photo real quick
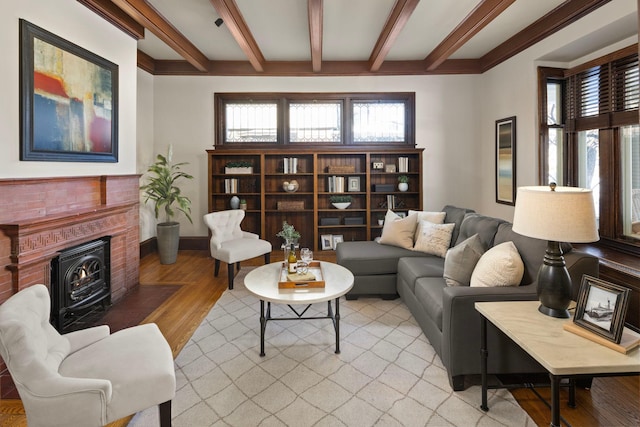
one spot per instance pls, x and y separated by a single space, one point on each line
391 201
231 185
403 164
290 165
335 184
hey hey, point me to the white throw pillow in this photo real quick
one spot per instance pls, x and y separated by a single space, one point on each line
434 239
461 260
398 231
499 266
434 217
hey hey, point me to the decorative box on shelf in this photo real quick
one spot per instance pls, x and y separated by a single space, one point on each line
290 205
356 220
239 170
341 169
330 221
383 188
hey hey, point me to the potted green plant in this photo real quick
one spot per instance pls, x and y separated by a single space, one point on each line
403 183
162 190
288 233
340 201
238 167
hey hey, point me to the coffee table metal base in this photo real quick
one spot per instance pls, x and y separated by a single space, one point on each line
266 316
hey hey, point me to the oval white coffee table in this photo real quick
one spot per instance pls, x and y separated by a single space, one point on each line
263 283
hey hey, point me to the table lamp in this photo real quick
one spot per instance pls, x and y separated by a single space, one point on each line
555 214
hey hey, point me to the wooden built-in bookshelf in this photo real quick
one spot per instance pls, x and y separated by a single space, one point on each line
309 208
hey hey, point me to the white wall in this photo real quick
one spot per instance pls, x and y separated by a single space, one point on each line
144 148
76 23
184 117
510 89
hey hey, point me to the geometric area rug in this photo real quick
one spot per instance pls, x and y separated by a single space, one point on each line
387 373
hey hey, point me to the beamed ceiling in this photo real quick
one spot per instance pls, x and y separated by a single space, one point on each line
346 37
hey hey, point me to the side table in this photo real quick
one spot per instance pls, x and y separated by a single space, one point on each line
562 353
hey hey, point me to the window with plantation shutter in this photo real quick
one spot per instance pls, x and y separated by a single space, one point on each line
625 84
604 95
596 143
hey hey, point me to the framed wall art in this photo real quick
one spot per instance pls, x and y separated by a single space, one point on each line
602 307
326 242
506 161
68 100
354 183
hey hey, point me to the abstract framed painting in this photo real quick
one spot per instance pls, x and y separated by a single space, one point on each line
506 161
68 100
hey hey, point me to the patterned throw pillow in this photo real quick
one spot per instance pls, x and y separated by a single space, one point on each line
434 239
435 217
499 266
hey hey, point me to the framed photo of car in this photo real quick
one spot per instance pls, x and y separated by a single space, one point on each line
602 307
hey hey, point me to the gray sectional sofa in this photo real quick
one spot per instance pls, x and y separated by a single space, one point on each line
445 313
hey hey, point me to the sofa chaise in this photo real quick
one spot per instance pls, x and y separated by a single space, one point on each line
446 313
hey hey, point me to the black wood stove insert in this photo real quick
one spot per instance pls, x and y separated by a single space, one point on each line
80 279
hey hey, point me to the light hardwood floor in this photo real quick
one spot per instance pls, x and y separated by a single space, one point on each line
610 402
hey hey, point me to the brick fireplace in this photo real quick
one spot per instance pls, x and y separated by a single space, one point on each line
40 217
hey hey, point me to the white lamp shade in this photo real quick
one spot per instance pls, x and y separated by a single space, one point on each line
564 215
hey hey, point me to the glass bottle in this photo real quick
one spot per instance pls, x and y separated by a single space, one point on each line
292 260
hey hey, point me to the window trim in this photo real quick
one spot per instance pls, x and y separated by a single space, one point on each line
283 99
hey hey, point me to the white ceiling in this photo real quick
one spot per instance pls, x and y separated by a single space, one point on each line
351 29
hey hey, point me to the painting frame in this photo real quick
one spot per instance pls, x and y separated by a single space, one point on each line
335 239
505 161
326 242
353 183
68 100
604 321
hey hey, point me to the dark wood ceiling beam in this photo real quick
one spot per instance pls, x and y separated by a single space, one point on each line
563 15
146 62
233 19
396 21
315 33
329 68
485 12
116 16
148 16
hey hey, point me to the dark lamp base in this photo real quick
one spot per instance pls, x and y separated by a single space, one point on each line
554 312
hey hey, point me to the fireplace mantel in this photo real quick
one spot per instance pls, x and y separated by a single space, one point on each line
35 240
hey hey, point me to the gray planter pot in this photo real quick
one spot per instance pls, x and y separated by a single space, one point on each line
168 241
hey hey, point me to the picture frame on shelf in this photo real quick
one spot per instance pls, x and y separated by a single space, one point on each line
505 161
336 238
353 183
390 168
601 308
326 242
68 100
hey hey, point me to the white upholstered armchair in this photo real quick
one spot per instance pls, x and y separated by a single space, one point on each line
83 378
230 244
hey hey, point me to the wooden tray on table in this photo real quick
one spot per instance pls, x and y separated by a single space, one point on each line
288 282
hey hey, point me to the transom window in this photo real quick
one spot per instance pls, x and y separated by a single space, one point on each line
247 120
